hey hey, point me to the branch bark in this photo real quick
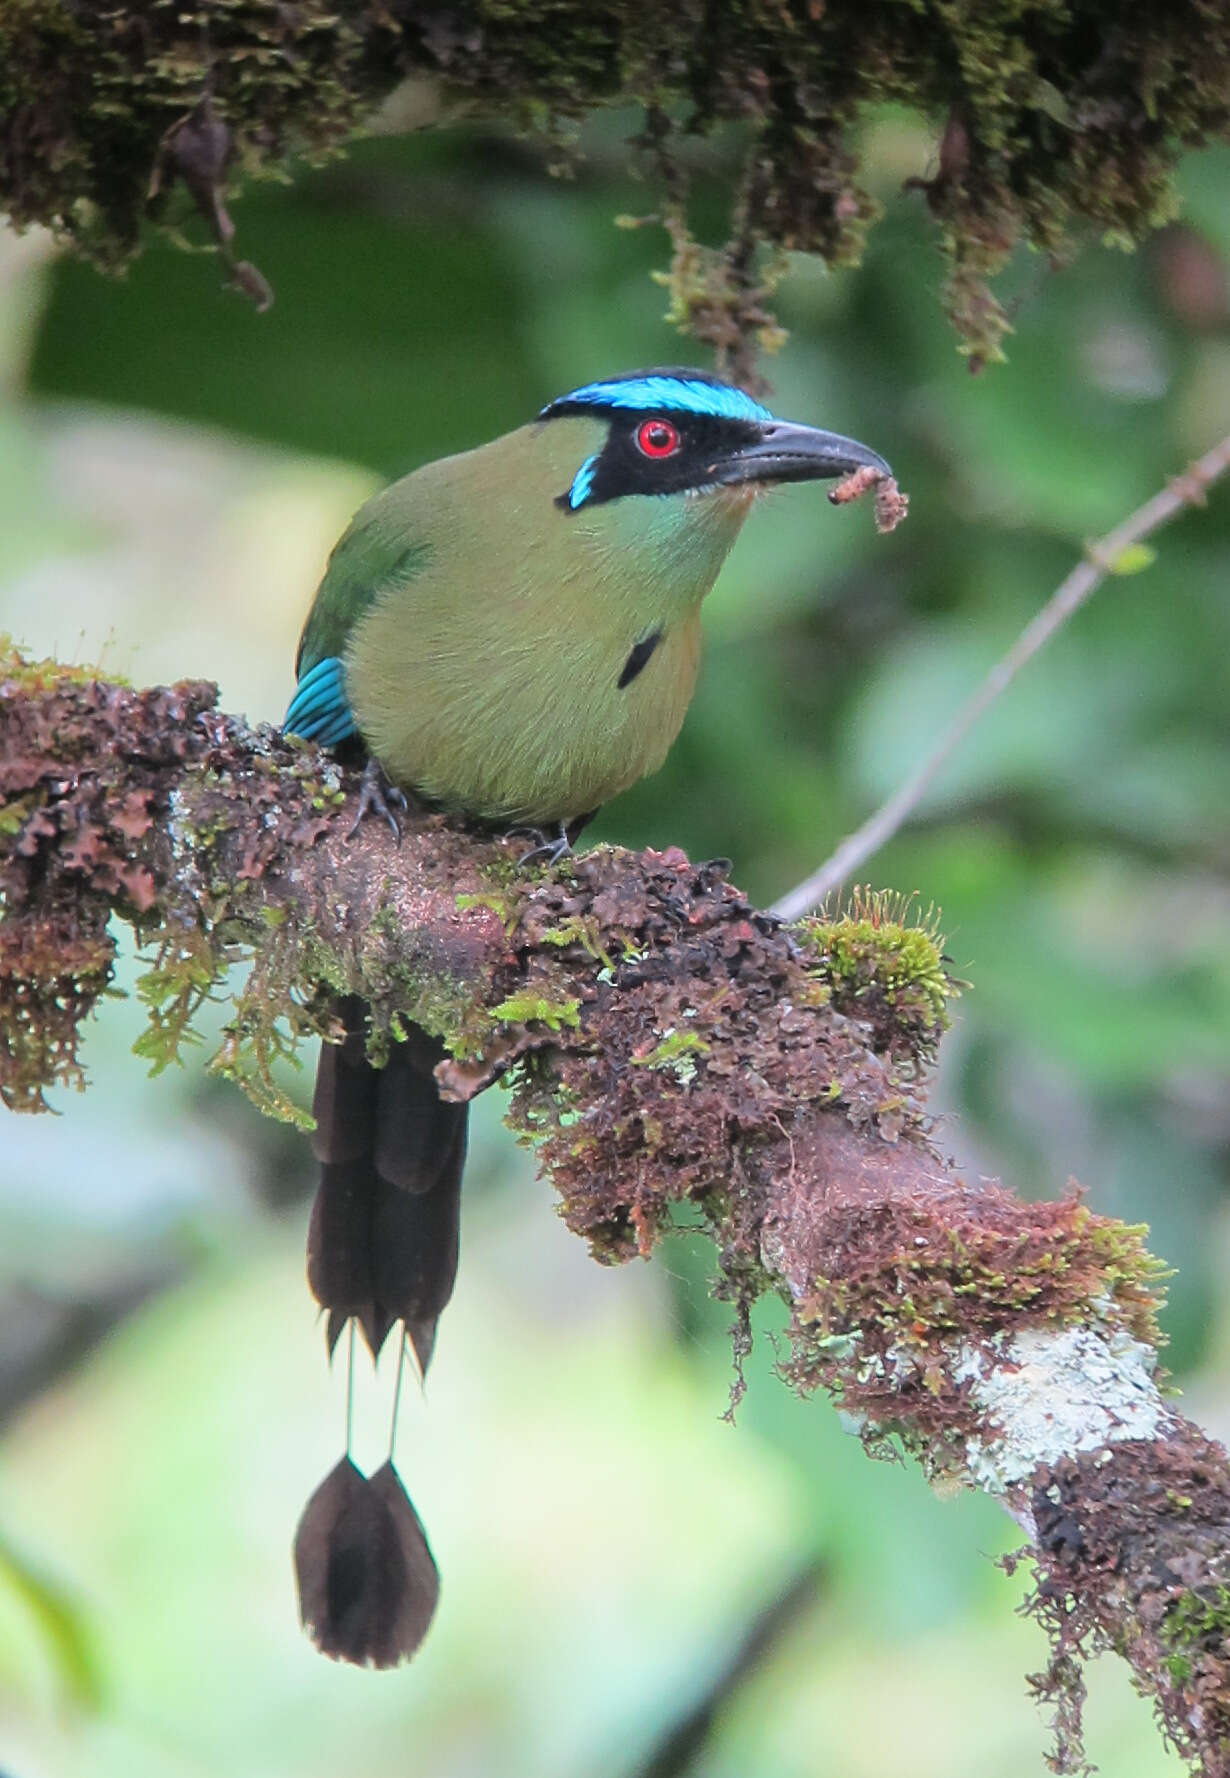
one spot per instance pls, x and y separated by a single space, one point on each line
664 1041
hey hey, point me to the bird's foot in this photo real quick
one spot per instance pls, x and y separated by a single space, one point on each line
377 796
550 850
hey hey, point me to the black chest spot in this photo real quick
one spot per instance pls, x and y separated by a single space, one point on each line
639 657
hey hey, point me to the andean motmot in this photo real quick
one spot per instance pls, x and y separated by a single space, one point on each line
512 634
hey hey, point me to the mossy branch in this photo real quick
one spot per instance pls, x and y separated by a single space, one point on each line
1053 120
664 1043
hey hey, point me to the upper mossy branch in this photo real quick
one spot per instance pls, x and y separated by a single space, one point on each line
664 1043
1049 115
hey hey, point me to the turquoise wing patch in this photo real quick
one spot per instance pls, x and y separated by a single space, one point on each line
319 711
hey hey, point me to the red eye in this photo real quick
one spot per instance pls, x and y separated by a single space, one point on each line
657 438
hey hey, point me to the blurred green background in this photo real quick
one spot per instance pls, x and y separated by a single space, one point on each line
173 470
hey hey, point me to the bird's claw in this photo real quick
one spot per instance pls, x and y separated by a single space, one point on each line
549 850
377 796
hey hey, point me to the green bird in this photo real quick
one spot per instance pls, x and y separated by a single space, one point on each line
512 634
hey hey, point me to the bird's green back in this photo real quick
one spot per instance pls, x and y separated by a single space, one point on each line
372 555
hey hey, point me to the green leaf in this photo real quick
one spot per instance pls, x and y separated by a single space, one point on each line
63 1625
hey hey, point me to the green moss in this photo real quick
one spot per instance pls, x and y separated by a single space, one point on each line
50 981
1178 1669
532 1009
102 94
45 677
883 967
204 904
266 1026
252 1044
584 931
318 960
173 990
13 815
910 1282
1054 119
499 902
540 1105
285 999
675 1054
1198 1618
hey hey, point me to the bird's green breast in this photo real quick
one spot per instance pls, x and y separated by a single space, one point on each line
486 671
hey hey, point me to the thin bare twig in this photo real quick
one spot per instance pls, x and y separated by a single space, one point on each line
1101 560
686 1740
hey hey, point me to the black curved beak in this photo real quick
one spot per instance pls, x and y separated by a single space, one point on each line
787 453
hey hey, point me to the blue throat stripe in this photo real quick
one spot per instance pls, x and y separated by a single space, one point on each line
319 711
686 395
583 482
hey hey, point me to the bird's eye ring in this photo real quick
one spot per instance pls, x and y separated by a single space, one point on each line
657 438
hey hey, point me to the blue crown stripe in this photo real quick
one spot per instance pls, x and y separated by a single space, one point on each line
672 394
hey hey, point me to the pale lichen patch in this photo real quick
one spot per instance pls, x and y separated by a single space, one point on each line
1053 1393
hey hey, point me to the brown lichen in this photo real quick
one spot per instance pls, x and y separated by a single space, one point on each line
67 855
701 1037
916 1276
148 807
1052 120
1146 1522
